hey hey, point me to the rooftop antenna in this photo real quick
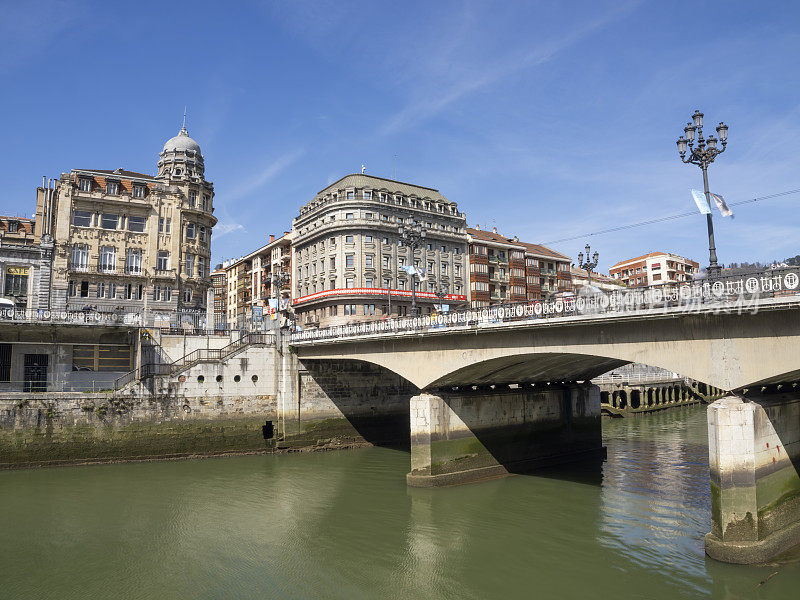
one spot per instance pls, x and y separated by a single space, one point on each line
395 167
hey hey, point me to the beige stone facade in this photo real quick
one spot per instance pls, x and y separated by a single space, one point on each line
348 257
134 245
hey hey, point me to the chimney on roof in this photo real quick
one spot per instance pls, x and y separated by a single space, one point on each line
494 229
271 238
477 226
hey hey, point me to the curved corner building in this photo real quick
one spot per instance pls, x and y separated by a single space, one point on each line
349 259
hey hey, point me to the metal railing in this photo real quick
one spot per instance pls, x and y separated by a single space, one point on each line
124 314
637 378
197 356
744 294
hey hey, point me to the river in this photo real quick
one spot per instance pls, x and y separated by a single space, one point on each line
345 525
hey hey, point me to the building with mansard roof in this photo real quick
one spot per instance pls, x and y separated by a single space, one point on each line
349 260
133 245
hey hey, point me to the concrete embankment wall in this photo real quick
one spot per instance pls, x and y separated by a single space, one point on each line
211 408
50 429
351 402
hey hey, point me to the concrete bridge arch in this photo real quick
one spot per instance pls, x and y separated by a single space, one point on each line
728 351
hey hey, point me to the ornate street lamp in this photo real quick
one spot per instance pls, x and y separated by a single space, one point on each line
590 263
441 292
278 278
702 156
412 234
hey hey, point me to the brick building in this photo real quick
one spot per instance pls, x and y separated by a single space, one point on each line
503 269
219 290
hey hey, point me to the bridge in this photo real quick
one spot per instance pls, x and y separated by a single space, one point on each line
506 389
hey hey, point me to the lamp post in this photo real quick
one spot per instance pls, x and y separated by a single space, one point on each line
441 292
277 278
412 234
702 156
590 263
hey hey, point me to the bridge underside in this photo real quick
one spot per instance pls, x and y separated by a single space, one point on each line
530 368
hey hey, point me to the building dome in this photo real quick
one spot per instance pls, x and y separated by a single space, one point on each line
181 158
181 143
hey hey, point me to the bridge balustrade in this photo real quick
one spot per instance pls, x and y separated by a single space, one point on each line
742 293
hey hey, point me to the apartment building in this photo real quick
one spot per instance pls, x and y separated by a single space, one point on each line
219 289
655 268
25 263
132 244
496 268
260 282
503 269
350 262
547 272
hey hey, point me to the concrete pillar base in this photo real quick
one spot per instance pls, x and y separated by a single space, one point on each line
753 553
425 479
470 435
754 447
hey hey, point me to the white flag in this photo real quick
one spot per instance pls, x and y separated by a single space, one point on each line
702 203
412 270
723 207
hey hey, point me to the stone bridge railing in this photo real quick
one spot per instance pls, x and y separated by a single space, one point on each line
742 293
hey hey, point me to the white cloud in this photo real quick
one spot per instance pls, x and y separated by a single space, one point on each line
225 227
267 172
434 101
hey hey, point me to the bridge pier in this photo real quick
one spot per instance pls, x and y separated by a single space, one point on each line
474 433
754 455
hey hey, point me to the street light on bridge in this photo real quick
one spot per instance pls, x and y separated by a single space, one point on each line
589 264
441 293
702 156
412 234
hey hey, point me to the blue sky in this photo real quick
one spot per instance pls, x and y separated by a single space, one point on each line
545 119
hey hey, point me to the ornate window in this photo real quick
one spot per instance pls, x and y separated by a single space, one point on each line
108 259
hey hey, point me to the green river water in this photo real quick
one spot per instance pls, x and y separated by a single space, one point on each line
344 525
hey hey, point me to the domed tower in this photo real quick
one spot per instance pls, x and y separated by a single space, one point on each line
185 220
181 158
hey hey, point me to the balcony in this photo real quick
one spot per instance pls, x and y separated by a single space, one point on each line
81 268
164 274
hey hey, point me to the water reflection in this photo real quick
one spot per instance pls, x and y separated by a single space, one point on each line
344 525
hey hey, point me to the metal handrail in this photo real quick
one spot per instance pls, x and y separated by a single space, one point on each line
196 356
220 354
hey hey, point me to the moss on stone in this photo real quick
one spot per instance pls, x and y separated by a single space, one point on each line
54 445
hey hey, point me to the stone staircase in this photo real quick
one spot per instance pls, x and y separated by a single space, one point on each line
193 358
